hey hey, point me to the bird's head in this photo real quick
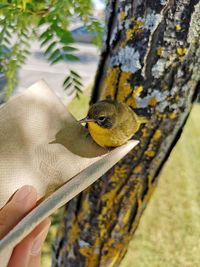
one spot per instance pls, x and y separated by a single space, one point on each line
103 113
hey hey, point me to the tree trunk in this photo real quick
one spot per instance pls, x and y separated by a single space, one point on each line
150 60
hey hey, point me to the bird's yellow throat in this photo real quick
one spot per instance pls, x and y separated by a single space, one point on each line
99 134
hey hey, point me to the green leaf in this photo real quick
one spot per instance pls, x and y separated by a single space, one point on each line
50 47
68 85
42 21
78 82
26 19
6 40
48 38
3 6
27 52
8 33
54 55
25 42
56 60
59 31
66 37
25 34
77 88
78 95
69 48
45 34
75 74
67 80
71 57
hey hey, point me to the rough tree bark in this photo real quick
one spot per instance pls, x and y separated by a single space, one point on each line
150 60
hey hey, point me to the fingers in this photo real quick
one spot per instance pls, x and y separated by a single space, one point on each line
20 204
28 252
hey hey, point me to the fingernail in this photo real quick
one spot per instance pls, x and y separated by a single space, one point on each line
38 242
26 197
22 193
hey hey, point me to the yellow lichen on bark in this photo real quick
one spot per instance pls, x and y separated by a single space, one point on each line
126 91
73 234
150 189
90 254
159 51
157 135
144 132
137 169
172 115
132 102
124 86
137 90
111 249
150 153
178 27
121 170
109 86
152 101
137 28
181 51
122 15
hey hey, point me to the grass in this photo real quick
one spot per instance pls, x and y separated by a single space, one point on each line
169 230
79 106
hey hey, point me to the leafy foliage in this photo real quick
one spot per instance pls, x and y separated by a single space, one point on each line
74 79
22 21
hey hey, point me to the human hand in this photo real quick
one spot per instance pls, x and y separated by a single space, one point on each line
28 252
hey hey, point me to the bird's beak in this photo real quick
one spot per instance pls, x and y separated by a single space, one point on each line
86 119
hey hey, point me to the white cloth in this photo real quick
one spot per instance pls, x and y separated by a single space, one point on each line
41 144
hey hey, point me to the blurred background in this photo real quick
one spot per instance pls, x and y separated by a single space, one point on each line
169 231
37 66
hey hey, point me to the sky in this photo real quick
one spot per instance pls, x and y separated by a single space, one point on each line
99 4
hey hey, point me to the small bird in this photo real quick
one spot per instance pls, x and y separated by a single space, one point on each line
111 123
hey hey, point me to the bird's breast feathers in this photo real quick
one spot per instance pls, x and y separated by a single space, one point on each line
107 137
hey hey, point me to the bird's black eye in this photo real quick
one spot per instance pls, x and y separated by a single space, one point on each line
102 118
104 121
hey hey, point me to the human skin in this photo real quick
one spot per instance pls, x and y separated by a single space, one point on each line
28 252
